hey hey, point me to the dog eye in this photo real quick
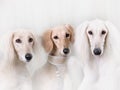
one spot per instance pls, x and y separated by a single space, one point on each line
90 32
18 41
55 37
67 35
30 40
103 32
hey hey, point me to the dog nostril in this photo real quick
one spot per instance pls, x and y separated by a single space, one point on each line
28 56
97 51
66 50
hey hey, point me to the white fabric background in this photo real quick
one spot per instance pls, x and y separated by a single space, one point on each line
42 14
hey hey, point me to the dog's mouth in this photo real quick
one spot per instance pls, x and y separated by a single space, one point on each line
61 55
64 56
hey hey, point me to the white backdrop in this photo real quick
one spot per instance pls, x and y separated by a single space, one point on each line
42 14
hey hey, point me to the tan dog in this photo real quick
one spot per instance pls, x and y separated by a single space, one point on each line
18 48
53 76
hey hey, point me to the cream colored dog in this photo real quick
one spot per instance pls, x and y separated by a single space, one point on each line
17 49
54 75
97 46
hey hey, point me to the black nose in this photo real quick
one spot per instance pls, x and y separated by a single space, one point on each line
97 51
28 57
66 50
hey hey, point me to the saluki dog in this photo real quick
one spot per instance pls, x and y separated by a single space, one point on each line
97 47
17 49
53 75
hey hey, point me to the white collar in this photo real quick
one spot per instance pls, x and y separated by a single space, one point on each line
57 60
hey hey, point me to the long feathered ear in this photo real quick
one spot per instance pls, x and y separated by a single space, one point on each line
11 49
113 39
71 30
81 42
47 41
7 47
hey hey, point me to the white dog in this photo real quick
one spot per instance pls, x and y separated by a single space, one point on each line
54 74
17 49
97 47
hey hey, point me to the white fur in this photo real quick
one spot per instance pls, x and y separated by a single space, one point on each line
100 72
14 74
52 76
75 71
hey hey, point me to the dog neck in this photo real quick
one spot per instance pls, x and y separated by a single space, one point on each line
60 65
57 60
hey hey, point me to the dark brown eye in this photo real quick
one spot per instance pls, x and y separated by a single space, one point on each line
30 39
18 41
67 35
103 32
55 37
90 32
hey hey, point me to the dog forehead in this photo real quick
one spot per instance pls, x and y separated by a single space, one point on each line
96 26
59 31
22 35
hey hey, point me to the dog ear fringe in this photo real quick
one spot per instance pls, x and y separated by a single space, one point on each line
113 41
7 48
82 46
47 41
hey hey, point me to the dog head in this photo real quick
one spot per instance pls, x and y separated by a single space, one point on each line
23 43
97 33
93 38
57 41
19 45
